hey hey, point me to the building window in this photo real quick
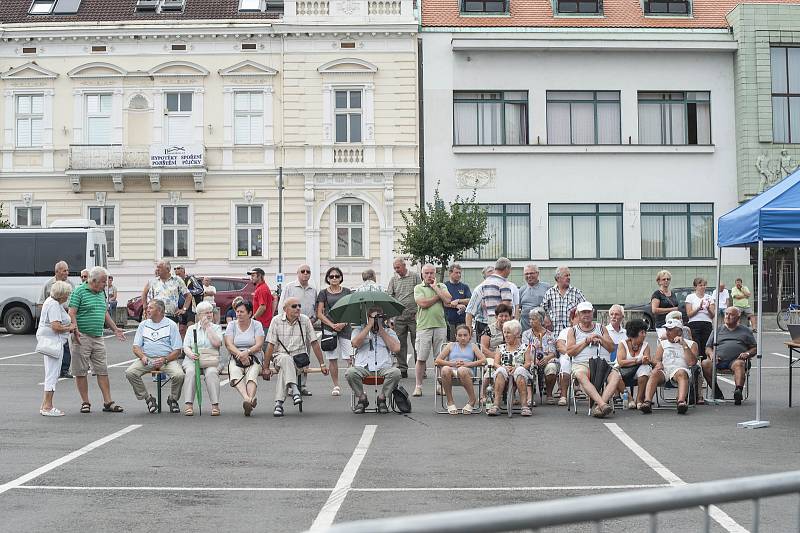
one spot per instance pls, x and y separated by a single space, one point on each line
249 231
28 217
588 7
667 7
675 118
681 231
508 227
490 118
105 218
30 114
250 5
585 231
175 231
98 118
349 230
179 118
42 7
583 117
248 120
348 116
785 66
484 6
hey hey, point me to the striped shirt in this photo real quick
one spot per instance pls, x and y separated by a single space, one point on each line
494 290
91 309
557 307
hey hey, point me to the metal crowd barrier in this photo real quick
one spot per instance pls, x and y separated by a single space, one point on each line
595 509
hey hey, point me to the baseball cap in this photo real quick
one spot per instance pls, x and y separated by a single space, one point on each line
584 306
673 323
256 270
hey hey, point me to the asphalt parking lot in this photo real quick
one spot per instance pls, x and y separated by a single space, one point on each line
139 472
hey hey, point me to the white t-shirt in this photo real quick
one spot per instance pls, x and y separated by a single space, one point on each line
52 311
702 303
616 336
514 297
672 357
722 301
209 292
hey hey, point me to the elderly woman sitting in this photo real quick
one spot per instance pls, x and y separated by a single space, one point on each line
543 351
55 327
514 360
209 339
633 360
457 361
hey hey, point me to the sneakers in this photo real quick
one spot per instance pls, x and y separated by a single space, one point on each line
417 391
336 391
51 412
737 396
562 401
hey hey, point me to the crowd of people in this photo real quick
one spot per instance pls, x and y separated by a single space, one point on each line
509 341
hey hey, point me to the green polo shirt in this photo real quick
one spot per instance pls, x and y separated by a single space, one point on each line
433 316
91 306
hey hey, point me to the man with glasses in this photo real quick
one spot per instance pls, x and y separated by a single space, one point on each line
736 345
84 275
531 295
302 290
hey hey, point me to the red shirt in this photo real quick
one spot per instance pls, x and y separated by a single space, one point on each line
263 296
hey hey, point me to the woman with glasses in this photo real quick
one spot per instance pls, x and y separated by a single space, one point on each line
340 331
663 301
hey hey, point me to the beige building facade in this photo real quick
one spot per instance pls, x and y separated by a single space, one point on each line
170 132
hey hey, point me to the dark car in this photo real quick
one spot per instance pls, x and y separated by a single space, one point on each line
227 290
680 292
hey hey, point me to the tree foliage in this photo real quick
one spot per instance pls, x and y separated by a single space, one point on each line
3 222
441 232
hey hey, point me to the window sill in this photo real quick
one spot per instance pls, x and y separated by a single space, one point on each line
585 149
485 15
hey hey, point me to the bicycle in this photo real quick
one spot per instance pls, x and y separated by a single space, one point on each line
783 317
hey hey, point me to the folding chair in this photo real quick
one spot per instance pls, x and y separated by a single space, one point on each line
729 372
376 381
160 382
508 393
671 401
572 397
439 400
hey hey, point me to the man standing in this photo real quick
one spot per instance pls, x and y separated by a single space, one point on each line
195 288
61 270
370 283
168 288
431 297
736 345
307 296
111 296
531 295
401 287
560 299
474 311
722 297
262 298
496 289
88 309
456 309
741 301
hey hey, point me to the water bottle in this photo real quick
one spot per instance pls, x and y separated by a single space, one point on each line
625 399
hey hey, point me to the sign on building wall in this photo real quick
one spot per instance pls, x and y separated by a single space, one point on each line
174 156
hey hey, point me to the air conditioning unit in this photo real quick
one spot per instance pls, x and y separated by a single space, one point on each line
146 5
172 5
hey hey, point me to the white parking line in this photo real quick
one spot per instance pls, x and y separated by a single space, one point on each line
67 458
21 364
781 355
715 512
179 489
328 512
726 380
324 489
16 355
6 335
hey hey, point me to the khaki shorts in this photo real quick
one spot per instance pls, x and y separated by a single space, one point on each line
552 368
578 368
236 373
90 350
430 343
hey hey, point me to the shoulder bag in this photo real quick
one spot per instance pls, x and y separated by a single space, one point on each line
301 360
49 346
330 339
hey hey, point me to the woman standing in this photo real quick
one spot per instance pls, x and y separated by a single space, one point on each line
55 326
244 340
663 301
700 308
209 339
340 331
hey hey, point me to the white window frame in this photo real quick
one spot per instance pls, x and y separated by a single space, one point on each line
365 217
115 227
264 230
30 117
109 115
13 206
160 227
254 94
168 114
348 111
49 4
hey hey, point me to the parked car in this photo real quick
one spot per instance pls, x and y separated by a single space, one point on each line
680 292
227 290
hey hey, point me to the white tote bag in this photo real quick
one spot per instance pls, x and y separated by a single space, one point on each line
49 346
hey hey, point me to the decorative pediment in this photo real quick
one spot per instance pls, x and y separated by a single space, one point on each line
29 71
347 66
97 69
178 68
247 68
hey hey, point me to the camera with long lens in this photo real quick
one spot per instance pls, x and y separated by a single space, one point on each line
379 320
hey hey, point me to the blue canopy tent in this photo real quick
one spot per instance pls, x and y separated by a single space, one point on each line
773 219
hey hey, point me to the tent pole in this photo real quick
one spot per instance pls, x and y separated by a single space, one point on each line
758 423
712 387
796 279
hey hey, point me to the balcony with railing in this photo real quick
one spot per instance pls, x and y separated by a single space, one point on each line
351 11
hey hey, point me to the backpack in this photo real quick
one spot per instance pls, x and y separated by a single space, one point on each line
401 399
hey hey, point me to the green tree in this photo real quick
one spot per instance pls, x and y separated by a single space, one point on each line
3 222
440 232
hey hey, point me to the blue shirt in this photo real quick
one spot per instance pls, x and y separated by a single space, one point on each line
458 291
158 339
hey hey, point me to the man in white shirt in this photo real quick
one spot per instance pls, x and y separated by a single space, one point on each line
307 295
722 297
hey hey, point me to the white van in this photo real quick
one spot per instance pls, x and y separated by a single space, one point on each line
27 258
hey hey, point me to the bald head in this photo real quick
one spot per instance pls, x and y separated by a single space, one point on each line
292 308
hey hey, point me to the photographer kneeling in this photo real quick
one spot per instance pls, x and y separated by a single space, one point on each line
374 345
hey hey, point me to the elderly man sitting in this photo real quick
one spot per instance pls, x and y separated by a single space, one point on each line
374 346
735 346
673 360
157 344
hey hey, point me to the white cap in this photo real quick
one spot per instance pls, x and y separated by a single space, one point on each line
673 323
584 306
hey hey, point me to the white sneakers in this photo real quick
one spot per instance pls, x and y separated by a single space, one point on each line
51 412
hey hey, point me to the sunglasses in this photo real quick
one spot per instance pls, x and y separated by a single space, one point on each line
295 306
305 272
334 276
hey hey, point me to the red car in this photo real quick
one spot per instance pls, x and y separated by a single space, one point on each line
227 290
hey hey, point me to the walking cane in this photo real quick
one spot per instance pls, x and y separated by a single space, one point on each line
197 389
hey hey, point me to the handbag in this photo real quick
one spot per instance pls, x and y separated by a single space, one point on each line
627 372
209 358
301 360
329 341
49 346
401 399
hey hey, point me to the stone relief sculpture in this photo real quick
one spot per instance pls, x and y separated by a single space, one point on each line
771 171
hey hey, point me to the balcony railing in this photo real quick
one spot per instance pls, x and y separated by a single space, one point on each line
351 10
117 156
348 155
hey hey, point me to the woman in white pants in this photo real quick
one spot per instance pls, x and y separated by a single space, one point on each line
54 323
209 339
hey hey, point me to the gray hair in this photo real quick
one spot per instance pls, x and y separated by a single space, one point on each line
59 289
560 271
98 272
532 266
454 266
428 265
368 274
204 307
513 326
502 263
734 308
486 270
618 307
165 263
62 264
159 304
537 311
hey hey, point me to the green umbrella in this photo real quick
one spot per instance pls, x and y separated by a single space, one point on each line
352 309
198 390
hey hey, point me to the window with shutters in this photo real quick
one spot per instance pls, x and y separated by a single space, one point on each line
29 118
248 120
98 118
179 117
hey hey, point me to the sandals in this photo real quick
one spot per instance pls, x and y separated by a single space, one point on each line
336 391
562 401
492 411
86 408
526 411
188 410
112 407
297 399
646 408
361 406
551 401
173 405
468 409
51 412
608 409
214 410
452 409
278 412
151 404
382 407
682 408
248 408
597 412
